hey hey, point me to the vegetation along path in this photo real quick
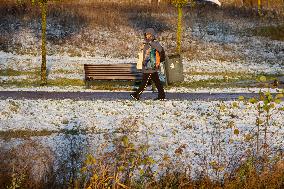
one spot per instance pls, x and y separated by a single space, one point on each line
34 95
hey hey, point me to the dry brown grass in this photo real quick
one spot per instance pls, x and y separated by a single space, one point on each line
115 168
29 164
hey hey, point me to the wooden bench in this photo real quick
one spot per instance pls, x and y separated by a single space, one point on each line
111 72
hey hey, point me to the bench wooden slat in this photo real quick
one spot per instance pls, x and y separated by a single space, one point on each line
93 75
110 70
116 72
110 66
113 78
124 67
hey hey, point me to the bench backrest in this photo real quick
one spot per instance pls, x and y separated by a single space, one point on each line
111 72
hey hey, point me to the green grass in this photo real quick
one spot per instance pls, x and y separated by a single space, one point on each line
247 80
24 134
37 82
229 74
211 83
63 82
112 85
62 71
273 32
233 80
11 72
35 72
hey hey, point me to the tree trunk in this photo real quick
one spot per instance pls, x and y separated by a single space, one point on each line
43 6
179 29
259 7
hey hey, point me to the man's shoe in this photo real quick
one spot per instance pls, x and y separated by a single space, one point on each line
134 96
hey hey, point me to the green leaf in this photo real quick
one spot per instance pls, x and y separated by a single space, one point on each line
241 98
222 107
84 170
141 172
277 101
252 100
262 79
236 131
121 168
278 96
270 98
281 109
213 163
150 160
90 160
125 140
235 105
266 107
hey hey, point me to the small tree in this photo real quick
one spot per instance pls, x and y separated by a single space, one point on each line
259 6
43 7
179 4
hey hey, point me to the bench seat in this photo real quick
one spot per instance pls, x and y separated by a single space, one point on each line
111 72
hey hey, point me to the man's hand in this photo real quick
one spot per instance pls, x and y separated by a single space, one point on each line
142 47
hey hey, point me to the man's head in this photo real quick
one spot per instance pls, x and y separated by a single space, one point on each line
150 34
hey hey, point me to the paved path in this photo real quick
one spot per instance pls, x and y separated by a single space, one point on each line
34 95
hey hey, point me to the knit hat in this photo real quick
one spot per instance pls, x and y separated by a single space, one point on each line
151 31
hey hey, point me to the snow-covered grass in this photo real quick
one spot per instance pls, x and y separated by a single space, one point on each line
23 71
201 126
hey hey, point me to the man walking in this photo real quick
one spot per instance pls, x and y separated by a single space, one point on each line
151 65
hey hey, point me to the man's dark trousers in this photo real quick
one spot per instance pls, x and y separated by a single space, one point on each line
148 77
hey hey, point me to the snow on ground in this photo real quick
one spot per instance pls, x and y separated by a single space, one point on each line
165 126
172 90
28 62
241 67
